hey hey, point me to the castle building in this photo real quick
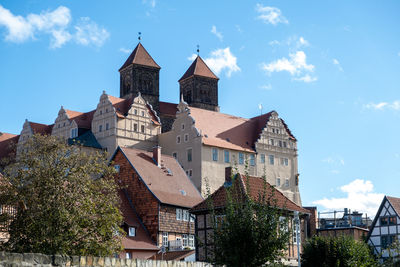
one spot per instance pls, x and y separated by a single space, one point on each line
203 140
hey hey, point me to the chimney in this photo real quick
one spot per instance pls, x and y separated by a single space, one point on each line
157 155
228 174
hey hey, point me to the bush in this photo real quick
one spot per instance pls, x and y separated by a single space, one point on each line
336 251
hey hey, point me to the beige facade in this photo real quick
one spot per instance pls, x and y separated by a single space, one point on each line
275 155
64 126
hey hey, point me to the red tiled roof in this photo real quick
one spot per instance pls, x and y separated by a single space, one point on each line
7 144
168 109
169 184
173 255
229 131
84 120
199 68
140 56
395 202
72 114
256 189
142 239
40 128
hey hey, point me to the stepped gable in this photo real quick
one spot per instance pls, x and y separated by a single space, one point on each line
142 239
140 56
228 131
122 107
168 183
199 68
256 189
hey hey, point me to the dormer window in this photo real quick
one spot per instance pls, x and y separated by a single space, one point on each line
132 231
74 132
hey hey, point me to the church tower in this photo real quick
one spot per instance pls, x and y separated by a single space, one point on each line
140 73
199 86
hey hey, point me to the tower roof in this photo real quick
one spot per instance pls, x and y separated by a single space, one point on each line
140 56
199 68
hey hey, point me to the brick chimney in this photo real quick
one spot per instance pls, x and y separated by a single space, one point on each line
157 155
228 174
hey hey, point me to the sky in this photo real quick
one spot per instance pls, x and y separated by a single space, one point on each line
331 69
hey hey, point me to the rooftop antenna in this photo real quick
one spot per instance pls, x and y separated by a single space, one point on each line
260 107
198 50
139 36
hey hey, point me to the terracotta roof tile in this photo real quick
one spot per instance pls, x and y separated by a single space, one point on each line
169 183
173 255
168 109
8 143
256 185
84 120
41 128
72 114
140 56
395 201
227 131
142 239
198 68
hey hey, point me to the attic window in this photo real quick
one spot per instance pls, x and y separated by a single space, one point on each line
205 136
182 192
169 172
227 139
132 231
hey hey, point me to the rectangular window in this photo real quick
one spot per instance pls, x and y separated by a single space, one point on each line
190 173
142 113
135 111
215 154
278 181
186 137
185 215
384 221
74 132
132 231
287 182
296 233
165 239
280 143
189 154
142 128
179 214
128 255
185 240
135 127
271 160
262 158
392 220
100 128
226 156
284 161
183 126
241 158
192 217
252 160
175 155
178 139
271 142
284 144
387 240
191 241
107 126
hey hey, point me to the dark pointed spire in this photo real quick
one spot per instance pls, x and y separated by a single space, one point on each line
199 68
140 56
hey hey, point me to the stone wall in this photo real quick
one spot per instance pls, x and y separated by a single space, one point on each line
31 259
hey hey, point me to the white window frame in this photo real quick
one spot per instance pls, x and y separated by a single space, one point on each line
252 160
185 215
131 231
296 233
165 239
74 132
192 217
128 255
191 241
185 240
179 214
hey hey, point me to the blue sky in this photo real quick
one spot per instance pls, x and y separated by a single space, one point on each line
331 69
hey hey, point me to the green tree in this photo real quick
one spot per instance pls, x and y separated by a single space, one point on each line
67 200
341 251
248 231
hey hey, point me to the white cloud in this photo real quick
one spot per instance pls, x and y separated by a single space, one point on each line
221 60
270 15
294 42
152 3
335 160
302 42
296 65
124 50
395 105
360 196
238 28
55 23
274 42
88 32
266 87
337 63
217 33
